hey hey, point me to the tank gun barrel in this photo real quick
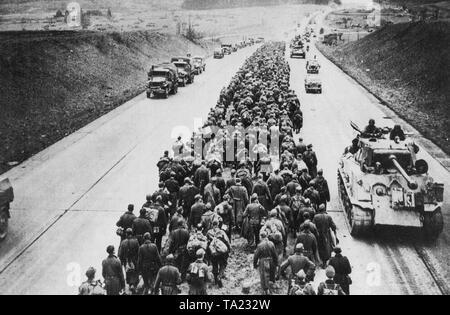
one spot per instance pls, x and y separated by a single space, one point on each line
411 184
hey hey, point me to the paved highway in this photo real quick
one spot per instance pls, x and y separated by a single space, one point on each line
69 196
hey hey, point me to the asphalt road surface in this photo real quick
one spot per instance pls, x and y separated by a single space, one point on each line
69 197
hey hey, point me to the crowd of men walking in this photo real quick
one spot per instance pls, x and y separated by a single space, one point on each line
249 179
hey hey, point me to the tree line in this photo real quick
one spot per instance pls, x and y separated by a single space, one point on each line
218 4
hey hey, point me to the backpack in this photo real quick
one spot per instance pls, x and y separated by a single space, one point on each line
217 247
196 273
274 234
299 289
96 288
152 215
297 204
331 289
195 243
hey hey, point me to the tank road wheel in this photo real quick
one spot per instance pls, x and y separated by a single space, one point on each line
3 225
433 224
360 222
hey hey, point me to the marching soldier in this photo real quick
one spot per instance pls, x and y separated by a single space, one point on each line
198 275
168 278
343 269
141 226
265 260
149 262
112 272
126 221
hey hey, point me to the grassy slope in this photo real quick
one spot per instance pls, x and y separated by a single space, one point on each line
54 83
409 69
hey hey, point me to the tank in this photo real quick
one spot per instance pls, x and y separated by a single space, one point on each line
384 184
6 197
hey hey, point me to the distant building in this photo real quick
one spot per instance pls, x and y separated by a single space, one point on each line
74 16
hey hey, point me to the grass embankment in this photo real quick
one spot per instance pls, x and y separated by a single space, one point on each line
53 83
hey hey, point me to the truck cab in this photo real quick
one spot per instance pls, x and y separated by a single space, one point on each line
227 49
185 73
162 81
218 54
199 64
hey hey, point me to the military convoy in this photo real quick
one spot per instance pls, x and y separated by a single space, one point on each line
6 197
382 183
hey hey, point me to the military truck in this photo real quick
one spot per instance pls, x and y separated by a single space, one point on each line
199 65
218 54
185 73
384 184
6 197
313 84
312 66
227 49
162 80
298 52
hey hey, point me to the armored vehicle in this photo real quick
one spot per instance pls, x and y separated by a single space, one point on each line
384 184
6 197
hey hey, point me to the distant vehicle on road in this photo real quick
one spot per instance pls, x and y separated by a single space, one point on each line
260 40
162 80
313 84
312 66
384 184
227 49
218 54
6 197
199 64
298 52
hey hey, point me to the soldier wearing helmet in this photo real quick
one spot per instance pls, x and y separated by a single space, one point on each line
168 278
198 275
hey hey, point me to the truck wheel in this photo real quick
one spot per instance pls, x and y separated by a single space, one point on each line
149 95
3 225
166 94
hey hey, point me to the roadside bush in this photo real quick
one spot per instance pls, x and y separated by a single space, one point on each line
193 35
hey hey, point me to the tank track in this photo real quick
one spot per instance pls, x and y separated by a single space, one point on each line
359 220
433 225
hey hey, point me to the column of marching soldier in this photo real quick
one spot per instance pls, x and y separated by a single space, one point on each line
205 199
